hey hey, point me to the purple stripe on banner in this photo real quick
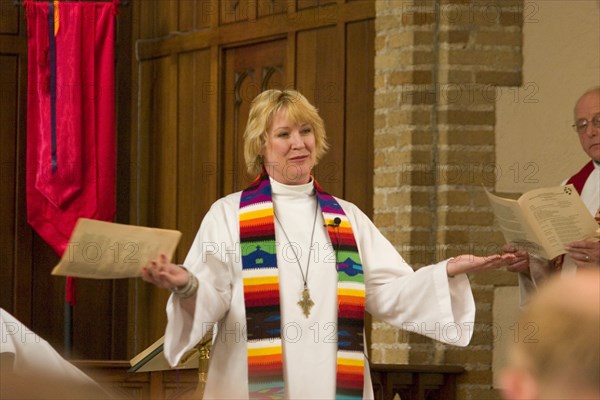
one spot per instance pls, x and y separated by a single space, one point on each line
52 45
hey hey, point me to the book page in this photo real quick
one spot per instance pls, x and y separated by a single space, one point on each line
511 222
106 250
560 215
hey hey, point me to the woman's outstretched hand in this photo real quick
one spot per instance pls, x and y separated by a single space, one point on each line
521 261
165 275
468 263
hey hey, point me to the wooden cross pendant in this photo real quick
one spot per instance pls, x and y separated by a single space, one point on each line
306 303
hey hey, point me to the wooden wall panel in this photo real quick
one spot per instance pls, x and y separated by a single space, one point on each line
163 141
320 71
267 8
9 18
166 17
195 14
231 11
304 4
9 95
140 144
148 18
162 186
142 298
47 302
197 161
359 84
157 18
92 319
15 235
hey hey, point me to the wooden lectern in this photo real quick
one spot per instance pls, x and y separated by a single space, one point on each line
152 359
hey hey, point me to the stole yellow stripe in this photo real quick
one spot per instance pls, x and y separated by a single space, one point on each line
351 362
265 351
263 280
351 292
343 224
256 214
56 18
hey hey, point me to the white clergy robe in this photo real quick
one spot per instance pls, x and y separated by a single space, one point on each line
35 370
425 301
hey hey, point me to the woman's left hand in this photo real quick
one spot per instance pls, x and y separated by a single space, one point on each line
468 263
162 273
585 253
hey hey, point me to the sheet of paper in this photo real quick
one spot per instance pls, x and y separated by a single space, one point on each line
106 250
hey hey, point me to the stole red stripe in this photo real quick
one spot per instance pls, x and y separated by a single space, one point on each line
273 292
352 313
256 231
275 372
260 299
350 381
265 370
346 239
345 307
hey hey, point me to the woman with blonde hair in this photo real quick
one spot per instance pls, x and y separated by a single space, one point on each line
287 271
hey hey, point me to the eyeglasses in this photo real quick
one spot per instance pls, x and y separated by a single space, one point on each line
581 124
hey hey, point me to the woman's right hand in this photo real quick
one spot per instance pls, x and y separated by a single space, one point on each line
521 261
165 275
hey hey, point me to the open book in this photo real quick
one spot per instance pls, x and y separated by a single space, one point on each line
544 220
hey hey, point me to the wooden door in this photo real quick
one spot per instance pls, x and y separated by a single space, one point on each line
248 70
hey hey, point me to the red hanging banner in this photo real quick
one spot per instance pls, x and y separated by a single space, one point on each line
71 149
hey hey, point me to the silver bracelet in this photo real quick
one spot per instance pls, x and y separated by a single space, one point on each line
451 259
190 288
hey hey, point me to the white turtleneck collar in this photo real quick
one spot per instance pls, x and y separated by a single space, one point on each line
283 189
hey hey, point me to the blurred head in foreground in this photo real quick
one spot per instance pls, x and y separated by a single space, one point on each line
557 355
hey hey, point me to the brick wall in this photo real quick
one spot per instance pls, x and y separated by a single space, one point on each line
439 66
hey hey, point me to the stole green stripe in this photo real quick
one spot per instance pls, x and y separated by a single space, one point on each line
344 277
267 246
342 255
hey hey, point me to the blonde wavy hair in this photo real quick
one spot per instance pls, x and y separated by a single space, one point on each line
264 106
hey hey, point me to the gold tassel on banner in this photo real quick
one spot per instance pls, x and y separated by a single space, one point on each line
56 18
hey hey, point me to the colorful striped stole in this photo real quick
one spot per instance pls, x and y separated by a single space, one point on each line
261 294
